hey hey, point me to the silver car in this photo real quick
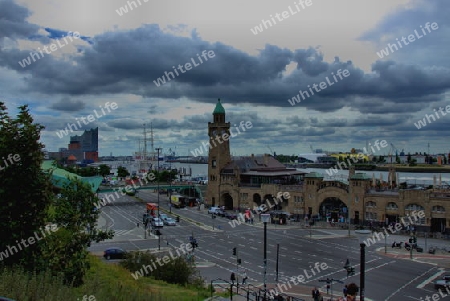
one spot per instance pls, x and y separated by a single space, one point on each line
169 222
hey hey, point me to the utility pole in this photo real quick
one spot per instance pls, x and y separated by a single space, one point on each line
276 268
159 236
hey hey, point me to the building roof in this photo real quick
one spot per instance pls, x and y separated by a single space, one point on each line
273 173
264 163
219 108
360 176
314 175
60 177
72 158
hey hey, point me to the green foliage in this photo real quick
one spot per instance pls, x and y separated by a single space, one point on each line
103 281
122 172
104 170
286 159
165 175
73 212
25 190
176 271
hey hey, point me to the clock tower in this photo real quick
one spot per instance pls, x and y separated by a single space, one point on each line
219 153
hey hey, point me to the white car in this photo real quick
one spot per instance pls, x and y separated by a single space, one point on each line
213 210
169 222
157 222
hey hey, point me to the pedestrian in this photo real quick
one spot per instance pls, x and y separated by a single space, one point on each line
244 278
232 278
344 291
315 294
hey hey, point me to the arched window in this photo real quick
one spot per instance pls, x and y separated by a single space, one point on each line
415 207
392 206
371 204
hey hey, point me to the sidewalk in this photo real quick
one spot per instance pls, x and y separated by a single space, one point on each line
441 259
297 291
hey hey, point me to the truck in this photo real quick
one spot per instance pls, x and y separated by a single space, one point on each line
178 201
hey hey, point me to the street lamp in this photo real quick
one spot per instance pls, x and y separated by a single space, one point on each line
362 235
265 219
159 236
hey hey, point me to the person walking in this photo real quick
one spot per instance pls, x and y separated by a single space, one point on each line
244 278
232 278
315 294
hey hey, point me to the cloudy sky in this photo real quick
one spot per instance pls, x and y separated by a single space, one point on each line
117 53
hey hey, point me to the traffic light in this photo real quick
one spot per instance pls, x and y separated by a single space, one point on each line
157 232
350 271
239 261
234 251
414 239
410 240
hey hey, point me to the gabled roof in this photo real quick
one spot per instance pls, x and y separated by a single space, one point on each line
61 176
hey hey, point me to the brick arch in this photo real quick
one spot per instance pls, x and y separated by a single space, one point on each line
331 192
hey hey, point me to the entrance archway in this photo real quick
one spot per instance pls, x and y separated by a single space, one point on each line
257 199
333 209
227 200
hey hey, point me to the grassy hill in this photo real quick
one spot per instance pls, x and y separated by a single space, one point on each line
102 282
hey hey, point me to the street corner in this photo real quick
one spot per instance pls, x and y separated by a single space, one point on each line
441 260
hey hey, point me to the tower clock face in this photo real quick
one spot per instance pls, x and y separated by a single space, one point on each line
214 133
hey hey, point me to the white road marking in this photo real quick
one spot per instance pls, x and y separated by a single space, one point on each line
428 280
402 287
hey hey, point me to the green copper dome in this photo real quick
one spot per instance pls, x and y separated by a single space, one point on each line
219 109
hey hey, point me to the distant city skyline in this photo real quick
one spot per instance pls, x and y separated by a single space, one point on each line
283 79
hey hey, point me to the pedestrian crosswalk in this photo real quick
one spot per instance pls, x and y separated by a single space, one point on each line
121 232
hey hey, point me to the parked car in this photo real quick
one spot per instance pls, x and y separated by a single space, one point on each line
169 222
114 253
163 216
220 212
230 215
213 210
157 222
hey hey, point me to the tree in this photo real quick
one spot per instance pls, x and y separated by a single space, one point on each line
104 170
74 213
122 172
25 190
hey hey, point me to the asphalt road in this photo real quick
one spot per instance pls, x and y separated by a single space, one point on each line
300 250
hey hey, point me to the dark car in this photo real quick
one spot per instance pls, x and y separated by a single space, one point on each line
220 212
114 253
230 215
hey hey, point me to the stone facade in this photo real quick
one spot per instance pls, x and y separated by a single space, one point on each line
252 181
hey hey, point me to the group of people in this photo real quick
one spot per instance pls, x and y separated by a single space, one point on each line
350 291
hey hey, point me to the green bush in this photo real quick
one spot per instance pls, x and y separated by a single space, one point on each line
176 271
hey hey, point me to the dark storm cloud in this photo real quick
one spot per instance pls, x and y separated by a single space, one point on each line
68 105
13 22
129 61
